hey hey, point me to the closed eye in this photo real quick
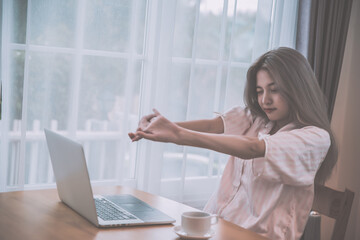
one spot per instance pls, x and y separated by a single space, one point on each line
259 91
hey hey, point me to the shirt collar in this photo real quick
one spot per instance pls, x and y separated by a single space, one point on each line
287 127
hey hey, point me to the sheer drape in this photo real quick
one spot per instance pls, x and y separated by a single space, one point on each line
90 69
201 64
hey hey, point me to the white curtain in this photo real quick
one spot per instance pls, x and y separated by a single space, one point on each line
89 69
202 52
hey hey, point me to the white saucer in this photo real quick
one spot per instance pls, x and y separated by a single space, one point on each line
178 230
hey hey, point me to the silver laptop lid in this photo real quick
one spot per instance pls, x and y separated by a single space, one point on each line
72 178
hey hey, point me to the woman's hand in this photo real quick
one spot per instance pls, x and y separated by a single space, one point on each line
143 123
156 127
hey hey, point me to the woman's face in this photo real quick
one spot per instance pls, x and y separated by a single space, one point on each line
270 100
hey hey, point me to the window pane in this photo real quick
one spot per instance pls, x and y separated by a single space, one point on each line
49 89
13 163
102 87
184 28
176 92
108 25
243 30
197 162
19 14
209 29
141 24
101 158
38 167
136 81
235 87
16 85
17 60
202 92
172 161
53 23
0 104
219 162
48 104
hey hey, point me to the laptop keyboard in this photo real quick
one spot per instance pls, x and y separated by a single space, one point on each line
108 212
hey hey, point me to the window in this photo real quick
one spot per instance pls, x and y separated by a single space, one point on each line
90 69
74 67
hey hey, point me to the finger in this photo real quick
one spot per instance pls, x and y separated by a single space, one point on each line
157 113
150 116
145 135
134 137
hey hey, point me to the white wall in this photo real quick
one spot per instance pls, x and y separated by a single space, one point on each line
346 126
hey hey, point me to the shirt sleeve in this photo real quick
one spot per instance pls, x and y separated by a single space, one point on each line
293 157
236 121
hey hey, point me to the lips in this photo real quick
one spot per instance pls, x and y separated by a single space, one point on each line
269 110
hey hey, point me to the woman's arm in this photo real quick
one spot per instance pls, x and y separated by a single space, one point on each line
162 130
239 146
214 125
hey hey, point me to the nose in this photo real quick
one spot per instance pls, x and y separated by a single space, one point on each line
266 98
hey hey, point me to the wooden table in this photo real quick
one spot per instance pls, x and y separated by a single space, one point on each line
39 214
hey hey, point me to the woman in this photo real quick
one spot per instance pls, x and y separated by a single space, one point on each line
279 145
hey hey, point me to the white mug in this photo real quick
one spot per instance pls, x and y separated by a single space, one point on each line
197 223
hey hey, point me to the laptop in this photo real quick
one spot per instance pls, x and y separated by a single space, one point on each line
74 189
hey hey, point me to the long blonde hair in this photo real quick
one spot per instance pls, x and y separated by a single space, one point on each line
297 83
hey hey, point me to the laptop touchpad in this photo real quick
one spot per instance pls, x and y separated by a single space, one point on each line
135 207
130 203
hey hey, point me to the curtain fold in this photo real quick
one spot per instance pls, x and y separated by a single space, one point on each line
321 37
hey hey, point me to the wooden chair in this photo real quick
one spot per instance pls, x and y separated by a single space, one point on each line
333 204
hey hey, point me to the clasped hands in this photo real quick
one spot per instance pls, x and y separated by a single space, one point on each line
156 127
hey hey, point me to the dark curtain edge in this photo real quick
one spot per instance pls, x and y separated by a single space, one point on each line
317 34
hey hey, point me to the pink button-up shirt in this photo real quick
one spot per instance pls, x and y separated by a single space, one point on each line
271 195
